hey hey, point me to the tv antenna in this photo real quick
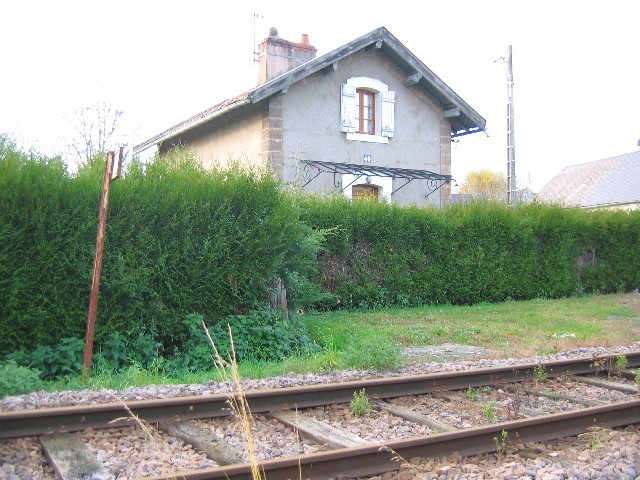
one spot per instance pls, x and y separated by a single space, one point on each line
256 54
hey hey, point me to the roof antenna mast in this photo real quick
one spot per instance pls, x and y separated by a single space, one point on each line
511 147
256 54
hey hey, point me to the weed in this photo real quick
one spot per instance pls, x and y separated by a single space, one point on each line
329 361
540 373
360 404
594 436
621 363
598 363
513 407
501 443
472 394
488 411
440 331
637 379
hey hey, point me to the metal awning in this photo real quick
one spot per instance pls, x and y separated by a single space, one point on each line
313 168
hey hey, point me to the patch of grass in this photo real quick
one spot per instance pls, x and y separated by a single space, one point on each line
508 328
372 352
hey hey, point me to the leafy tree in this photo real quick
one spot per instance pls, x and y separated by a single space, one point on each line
485 185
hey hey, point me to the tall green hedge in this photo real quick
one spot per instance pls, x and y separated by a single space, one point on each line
180 240
379 254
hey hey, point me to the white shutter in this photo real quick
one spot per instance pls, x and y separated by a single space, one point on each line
388 100
348 110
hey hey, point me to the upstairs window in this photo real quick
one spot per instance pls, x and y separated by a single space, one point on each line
366 108
367 112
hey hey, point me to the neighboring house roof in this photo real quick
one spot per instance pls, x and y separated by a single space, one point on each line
463 118
460 198
607 182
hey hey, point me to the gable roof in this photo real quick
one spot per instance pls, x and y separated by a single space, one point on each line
611 181
464 119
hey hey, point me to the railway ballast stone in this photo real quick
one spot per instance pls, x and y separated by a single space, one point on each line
445 352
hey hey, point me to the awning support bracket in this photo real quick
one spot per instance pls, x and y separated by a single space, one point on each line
402 186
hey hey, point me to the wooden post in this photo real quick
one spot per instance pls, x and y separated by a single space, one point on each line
97 262
279 298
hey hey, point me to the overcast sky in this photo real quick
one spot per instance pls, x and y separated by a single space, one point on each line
576 66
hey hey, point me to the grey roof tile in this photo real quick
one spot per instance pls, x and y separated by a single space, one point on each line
609 181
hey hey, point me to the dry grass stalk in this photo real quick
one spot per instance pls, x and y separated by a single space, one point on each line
237 399
132 417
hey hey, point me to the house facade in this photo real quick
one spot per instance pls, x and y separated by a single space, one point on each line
610 183
368 118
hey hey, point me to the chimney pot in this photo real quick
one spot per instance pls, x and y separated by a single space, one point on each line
277 55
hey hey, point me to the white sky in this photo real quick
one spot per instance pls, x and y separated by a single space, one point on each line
575 64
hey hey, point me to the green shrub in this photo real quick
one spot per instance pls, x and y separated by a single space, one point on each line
260 336
53 362
16 379
263 335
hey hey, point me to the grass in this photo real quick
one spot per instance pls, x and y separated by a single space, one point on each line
372 339
509 328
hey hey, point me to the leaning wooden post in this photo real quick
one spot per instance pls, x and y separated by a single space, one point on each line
97 262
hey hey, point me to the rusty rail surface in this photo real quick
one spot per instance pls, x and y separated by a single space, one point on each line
24 423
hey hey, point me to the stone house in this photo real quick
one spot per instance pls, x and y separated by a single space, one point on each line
368 118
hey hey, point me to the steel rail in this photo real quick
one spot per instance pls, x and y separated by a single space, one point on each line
23 423
379 458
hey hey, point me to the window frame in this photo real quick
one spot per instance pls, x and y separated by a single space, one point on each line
363 93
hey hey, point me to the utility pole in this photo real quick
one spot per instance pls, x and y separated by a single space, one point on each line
511 144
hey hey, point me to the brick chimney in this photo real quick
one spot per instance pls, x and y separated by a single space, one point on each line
277 55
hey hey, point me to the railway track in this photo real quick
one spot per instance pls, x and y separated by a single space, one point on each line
423 416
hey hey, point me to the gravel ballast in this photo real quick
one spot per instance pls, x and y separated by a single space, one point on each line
600 454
